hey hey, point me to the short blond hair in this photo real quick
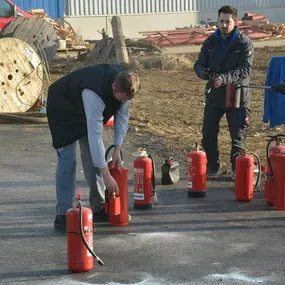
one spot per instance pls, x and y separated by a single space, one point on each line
127 82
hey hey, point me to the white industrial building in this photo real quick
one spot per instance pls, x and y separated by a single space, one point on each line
90 16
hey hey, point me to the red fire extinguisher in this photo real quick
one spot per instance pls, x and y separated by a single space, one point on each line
244 181
279 191
197 173
271 152
144 180
80 237
116 205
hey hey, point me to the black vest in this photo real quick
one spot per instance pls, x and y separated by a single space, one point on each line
65 109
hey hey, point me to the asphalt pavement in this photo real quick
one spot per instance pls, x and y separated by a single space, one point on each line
211 240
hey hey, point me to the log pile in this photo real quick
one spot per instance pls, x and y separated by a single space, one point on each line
259 22
63 29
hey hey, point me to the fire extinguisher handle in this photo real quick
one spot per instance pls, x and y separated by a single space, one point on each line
108 151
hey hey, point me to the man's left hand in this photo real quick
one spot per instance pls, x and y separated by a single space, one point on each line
116 158
217 82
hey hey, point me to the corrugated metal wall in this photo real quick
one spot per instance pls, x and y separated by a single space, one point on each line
54 8
114 7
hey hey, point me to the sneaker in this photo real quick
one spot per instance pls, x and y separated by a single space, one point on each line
100 216
212 173
60 222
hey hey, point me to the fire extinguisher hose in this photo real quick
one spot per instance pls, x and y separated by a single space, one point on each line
82 235
108 151
257 182
254 86
276 137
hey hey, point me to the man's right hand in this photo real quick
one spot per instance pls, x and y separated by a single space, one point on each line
110 183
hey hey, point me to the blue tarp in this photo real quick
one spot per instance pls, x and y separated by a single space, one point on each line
274 103
54 8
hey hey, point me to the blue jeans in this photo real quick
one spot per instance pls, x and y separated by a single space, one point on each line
66 177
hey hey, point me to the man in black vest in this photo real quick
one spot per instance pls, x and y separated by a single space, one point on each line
78 105
226 58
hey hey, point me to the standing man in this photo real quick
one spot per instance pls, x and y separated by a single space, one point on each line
226 58
78 105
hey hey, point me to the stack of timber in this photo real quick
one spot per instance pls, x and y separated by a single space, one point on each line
62 28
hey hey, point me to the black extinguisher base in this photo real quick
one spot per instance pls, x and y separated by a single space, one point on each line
197 194
142 206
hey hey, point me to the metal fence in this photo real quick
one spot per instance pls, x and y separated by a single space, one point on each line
115 7
54 8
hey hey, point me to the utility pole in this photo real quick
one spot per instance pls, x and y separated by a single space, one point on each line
119 41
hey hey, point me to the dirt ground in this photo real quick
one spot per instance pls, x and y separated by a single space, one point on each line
166 116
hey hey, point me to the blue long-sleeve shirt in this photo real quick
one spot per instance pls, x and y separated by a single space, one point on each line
94 107
274 103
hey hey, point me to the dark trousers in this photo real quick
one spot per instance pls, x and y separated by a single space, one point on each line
238 120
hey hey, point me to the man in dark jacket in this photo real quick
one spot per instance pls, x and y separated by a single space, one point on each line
226 58
78 105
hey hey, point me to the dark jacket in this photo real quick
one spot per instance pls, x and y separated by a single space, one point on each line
65 109
231 59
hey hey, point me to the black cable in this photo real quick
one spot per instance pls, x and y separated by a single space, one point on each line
82 235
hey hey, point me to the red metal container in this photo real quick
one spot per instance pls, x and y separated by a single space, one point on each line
118 204
244 185
232 96
197 173
79 257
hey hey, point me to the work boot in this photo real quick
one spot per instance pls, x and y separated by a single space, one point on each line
100 216
60 222
211 172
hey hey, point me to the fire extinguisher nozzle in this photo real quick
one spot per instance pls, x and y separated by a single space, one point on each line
100 262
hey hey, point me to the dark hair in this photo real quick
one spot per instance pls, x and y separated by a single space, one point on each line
127 82
228 10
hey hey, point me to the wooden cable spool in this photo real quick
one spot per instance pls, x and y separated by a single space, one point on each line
37 32
21 76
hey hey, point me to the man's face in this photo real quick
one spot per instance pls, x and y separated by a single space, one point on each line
121 96
226 23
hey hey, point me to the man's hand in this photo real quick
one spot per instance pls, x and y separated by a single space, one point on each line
109 181
111 184
116 157
217 82
280 88
205 74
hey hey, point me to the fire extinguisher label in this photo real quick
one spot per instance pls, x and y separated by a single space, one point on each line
138 196
190 184
138 184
